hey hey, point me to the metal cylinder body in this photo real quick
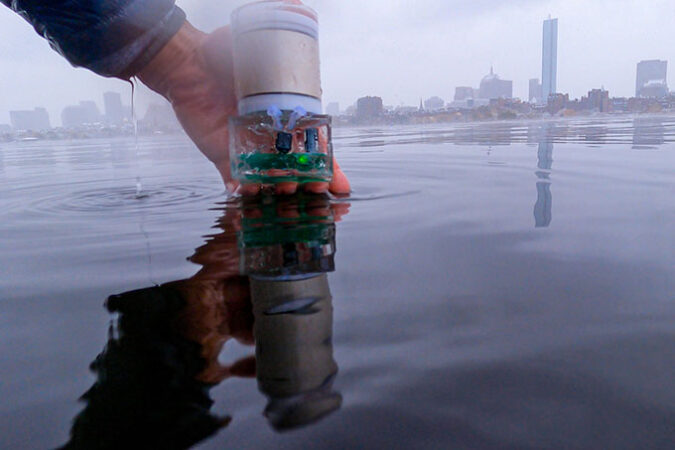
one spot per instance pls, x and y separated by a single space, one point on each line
276 57
277 62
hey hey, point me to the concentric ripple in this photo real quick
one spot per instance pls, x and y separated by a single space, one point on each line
93 198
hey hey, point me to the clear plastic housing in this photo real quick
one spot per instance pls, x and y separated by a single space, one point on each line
260 153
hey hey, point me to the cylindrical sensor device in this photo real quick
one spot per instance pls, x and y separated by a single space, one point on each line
280 134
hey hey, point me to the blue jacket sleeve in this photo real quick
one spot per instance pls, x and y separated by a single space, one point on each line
114 38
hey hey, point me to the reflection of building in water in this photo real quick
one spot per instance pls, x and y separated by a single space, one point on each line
648 132
594 133
161 361
491 135
544 205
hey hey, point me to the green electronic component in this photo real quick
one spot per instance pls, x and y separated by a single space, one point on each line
305 167
281 147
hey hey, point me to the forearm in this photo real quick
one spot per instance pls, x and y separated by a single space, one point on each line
177 65
114 38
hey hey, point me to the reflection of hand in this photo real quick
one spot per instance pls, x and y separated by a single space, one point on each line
194 72
218 304
317 207
216 311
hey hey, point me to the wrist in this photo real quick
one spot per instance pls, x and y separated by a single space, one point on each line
171 65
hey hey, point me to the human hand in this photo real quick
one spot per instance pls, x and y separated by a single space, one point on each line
194 71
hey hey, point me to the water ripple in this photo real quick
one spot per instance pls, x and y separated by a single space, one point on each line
93 198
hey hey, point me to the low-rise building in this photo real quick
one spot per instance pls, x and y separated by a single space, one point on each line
35 120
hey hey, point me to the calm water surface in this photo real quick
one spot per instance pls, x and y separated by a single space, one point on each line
504 285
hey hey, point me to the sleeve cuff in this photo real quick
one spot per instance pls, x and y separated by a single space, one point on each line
132 58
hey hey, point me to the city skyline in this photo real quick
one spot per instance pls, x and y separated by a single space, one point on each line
492 88
362 54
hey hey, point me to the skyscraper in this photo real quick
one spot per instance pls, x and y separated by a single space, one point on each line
651 79
114 111
549 59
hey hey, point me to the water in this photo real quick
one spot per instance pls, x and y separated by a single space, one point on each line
503 285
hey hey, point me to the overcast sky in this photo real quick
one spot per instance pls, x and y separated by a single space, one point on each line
400 50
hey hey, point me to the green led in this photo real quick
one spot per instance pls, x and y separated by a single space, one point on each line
303 159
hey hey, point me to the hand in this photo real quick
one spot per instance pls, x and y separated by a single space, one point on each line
194 71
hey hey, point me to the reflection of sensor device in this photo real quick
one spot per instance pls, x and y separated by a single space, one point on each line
294 352
280 133
287 237
287 247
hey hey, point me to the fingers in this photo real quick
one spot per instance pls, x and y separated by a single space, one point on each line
248 190
286 188
339 185
316 188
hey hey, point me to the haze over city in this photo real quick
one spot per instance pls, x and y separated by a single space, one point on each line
400 50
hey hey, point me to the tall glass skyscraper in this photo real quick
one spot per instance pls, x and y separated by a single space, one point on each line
652 79
549 59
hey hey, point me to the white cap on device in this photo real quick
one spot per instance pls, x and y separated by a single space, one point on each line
276 57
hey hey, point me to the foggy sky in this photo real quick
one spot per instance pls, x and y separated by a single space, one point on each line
401 50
